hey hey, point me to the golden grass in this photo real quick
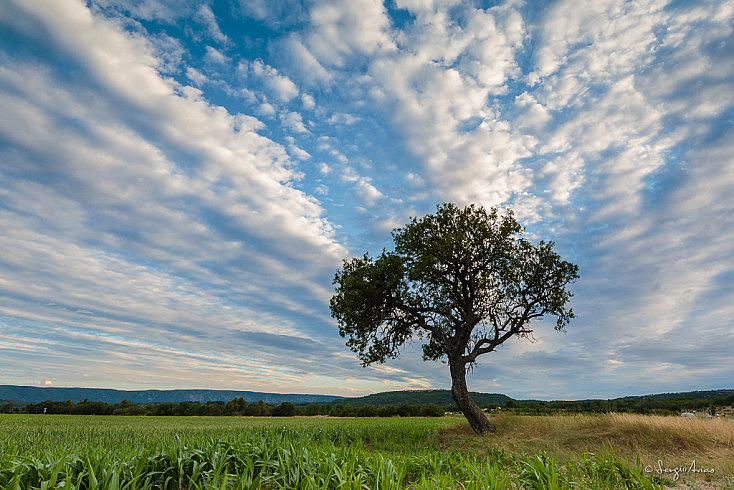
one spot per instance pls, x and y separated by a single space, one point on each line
660 442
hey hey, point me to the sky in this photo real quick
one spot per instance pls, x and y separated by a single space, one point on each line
180 180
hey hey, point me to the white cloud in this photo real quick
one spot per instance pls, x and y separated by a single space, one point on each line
437 90
344 29
604 127
343 118
424 8
629 148
293 121
339 156
163 10
267 110
298 153
324 143
215 56
531 115
169 51
615 38
302 61
205 15
415 179
308 101
280 85
368 192
197 77
154 204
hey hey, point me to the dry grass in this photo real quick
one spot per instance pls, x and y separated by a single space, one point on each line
675 442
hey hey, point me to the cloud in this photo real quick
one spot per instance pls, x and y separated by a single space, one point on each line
308 101
215 56
165 211
267 110
342 30
436 91
292 51
147 221
197 77
169 52
592 37
597 136
162 10
293 121
205 16
281 86
298 153
530 114
368 192
343 118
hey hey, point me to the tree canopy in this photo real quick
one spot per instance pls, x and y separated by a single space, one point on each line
465 280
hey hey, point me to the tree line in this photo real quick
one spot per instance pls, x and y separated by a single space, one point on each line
649 406
235 407
239 407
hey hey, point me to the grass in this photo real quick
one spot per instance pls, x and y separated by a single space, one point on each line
86 452
674 441
128 436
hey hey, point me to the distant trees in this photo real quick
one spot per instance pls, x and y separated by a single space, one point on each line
285 409
8 407
403 410
236 407
672 406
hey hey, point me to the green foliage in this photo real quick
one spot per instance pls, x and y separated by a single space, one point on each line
649 405
166 453
7 407
385 404
285 409
237 407
465 280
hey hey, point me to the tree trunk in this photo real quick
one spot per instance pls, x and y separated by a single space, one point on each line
476 417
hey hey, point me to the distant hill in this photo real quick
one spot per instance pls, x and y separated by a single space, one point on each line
15 403
443 397
35 394
22 395
685 394
420 397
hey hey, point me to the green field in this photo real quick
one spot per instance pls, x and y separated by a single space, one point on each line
242 452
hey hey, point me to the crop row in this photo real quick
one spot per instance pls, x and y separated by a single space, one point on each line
262 464
385 454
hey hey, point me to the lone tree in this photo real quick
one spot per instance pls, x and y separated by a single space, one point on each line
464 281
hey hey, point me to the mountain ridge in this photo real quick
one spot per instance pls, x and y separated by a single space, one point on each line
36 394
420 397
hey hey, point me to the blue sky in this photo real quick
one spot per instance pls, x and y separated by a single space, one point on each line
179 182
